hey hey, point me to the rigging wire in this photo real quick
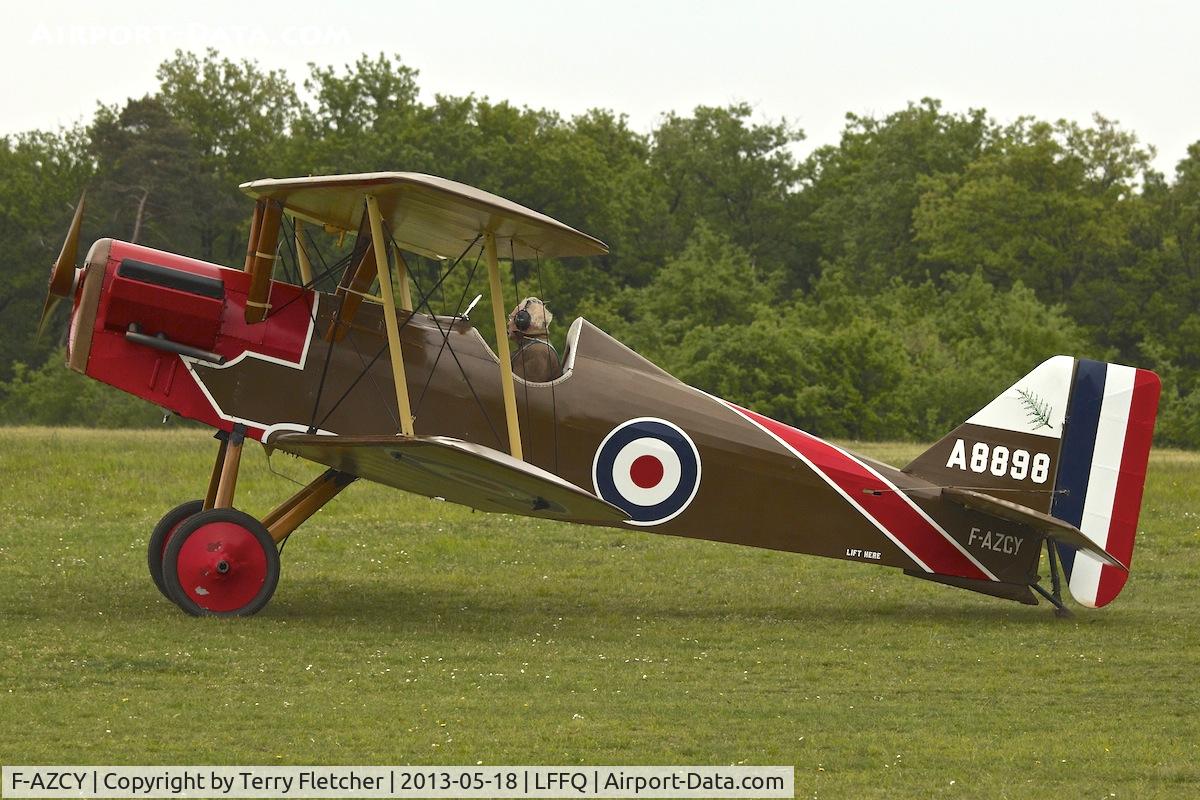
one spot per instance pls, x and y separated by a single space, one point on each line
424 301
354 383
275 472
383 350
360 248
327 270
355 254
362 362
446 338
512 256
425 298
553 398
356 251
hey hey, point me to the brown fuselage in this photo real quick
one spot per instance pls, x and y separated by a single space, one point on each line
754 481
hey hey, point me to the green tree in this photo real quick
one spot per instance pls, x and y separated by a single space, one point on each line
736 176
860 195
147 172
364 118
240 118
885 286
42 175
238 112
1158 299
1048 205
54 395
710 283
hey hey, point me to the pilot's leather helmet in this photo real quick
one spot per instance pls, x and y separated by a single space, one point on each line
530 318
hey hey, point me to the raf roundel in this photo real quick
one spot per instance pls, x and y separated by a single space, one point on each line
649 468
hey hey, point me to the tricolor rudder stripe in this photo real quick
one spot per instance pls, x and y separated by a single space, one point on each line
1098 488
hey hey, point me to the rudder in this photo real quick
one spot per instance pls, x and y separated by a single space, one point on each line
1098 487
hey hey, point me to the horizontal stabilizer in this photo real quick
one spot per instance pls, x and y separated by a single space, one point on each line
1048 526
453 470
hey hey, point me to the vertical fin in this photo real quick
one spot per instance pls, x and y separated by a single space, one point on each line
1011 446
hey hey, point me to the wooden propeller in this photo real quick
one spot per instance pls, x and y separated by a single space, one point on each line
62 274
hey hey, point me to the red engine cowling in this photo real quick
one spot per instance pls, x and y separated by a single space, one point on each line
180 306
137 310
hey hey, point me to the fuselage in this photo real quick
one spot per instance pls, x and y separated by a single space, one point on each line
680 461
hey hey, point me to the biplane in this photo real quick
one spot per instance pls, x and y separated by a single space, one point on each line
366 380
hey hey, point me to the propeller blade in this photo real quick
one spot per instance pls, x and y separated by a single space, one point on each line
62 274
47 309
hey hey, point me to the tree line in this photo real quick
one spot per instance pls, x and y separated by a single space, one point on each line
885 286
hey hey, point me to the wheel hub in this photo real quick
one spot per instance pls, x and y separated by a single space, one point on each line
206 564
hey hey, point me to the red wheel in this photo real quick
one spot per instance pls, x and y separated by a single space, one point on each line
221 563
162 532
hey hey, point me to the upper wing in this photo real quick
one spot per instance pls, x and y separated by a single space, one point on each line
427 214
454 470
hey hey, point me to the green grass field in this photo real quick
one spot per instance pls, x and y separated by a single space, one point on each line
406 631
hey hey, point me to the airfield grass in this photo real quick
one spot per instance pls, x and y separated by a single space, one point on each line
406 631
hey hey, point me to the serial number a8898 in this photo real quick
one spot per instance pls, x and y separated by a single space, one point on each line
998 460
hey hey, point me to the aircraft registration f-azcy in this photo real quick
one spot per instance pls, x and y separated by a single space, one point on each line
370 387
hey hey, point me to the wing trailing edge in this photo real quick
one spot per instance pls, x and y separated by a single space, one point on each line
453 470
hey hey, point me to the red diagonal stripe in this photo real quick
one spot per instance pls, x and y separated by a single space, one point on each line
879 499
1122 526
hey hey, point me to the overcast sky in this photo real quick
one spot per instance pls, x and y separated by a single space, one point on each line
804 61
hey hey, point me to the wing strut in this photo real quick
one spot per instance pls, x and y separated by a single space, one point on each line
506 376
302 262
261 262
389 315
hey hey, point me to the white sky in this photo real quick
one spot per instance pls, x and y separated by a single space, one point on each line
807 62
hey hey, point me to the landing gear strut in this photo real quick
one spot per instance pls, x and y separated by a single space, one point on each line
1055 595
212 559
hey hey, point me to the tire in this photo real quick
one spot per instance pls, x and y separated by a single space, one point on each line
221 563
162 533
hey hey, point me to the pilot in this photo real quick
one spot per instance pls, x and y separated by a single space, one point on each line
535 358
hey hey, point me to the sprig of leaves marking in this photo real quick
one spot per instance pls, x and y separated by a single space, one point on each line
1037 410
